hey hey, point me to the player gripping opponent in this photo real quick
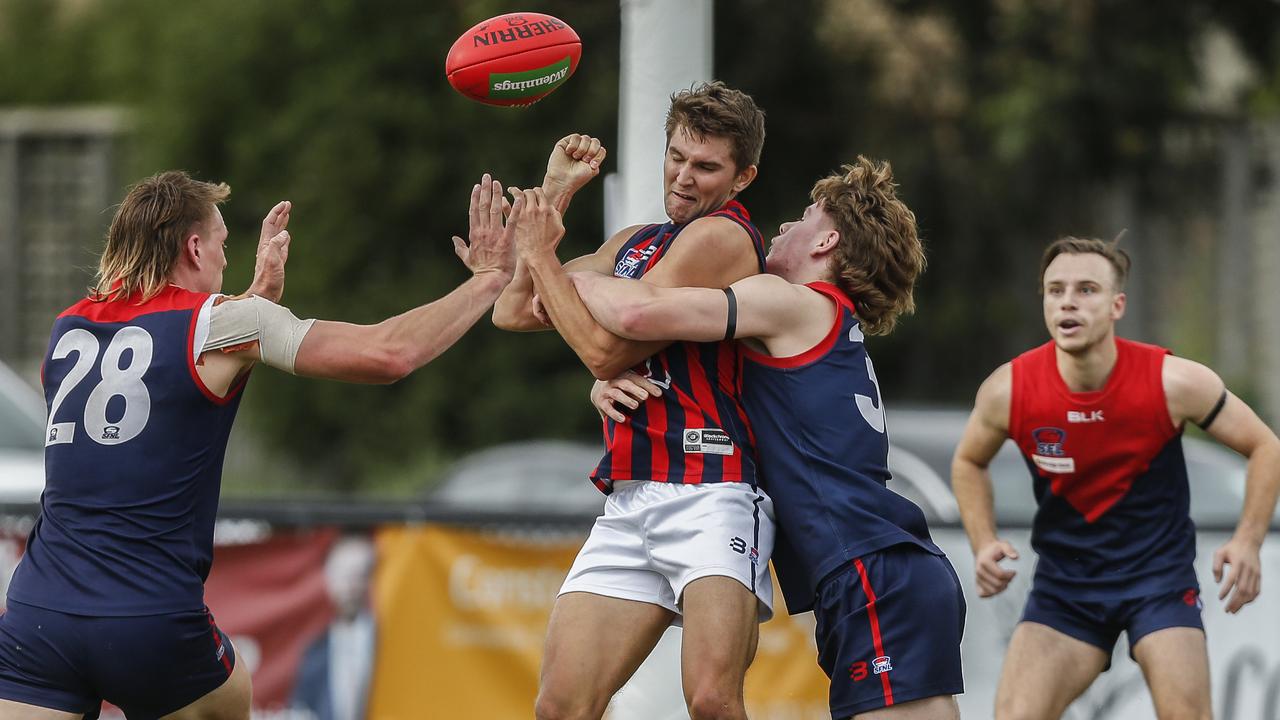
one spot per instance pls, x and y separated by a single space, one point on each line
889 608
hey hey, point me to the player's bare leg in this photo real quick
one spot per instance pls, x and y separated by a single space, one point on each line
594 645
229 701
1175 662
12 710
720 635
940 707
1044 671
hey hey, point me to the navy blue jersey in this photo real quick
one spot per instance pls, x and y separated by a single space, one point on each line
820 425
697 431
1114 506
133 461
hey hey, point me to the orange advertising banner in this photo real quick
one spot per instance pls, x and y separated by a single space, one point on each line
462 615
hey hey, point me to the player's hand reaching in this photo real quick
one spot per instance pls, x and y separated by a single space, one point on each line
538 224
629 389
489 246
992 578
573 162
1245 573
273 253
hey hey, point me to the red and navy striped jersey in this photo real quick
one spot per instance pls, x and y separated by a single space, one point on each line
133 461
697 431
824 457
1113 520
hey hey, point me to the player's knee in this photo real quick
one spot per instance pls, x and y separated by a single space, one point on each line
1015 708
714 703
553 705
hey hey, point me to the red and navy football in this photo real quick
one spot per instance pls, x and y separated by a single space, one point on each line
513 59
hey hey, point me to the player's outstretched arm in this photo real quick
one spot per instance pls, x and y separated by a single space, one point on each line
252 329
574 161
1195 393
986 431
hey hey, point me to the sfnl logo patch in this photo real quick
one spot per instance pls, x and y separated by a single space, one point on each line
530 82
1050 454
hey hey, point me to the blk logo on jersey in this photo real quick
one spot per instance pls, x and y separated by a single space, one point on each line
1050 454
630 263
1076 416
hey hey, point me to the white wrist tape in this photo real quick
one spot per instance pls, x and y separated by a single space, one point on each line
278 332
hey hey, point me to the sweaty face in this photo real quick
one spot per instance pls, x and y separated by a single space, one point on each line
213 247
789 249
698 175
1081 305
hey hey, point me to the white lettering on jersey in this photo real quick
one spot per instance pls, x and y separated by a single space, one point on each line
1076 416
872 410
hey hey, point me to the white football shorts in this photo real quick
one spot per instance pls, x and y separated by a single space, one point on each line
655 538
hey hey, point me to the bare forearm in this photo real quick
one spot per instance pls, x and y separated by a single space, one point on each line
425 332
972 486
604 353
1262 485
514 308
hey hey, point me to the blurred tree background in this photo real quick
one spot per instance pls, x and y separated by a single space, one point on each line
1008 122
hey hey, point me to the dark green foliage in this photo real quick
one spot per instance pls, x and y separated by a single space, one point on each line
342 107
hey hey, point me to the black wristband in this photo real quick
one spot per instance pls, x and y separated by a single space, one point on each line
731 326
1213 414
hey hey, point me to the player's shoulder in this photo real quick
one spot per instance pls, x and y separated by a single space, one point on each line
997 389
1182 377
715 233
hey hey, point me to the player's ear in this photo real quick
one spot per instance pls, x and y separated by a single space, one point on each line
191 249
1118 305
745 177
825 243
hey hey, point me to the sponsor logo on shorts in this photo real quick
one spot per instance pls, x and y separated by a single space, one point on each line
712 441
111 432
754 556
222 650
1192 598
881 665
738 545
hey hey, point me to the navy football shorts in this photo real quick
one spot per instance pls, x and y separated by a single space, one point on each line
888 630
1100 623
148 666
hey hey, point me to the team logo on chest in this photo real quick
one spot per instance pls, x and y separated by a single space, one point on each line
631 262
1050 454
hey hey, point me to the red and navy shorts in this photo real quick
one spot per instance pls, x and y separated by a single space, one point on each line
1100 623
148 666
888 629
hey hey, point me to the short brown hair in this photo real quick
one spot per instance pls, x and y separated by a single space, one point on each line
1069 245
879 255
146 234
716 110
